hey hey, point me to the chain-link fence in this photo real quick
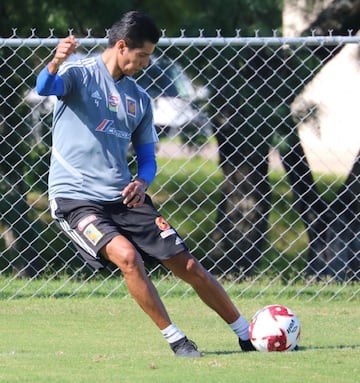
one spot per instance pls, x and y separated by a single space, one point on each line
258 160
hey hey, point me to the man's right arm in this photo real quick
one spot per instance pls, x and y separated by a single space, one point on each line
48 81
48 84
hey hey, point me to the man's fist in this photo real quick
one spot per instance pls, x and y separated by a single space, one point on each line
65 48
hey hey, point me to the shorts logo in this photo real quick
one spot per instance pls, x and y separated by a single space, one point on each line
167 233
178 241
162 224
130 106
85 221
93 234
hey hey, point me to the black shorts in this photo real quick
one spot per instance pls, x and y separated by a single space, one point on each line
91 225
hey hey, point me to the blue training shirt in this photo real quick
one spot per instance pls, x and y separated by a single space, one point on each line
94 122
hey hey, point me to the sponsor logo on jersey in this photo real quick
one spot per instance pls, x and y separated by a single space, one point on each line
107 126
130 106
93 234
97 98
96 95
162 223
113 103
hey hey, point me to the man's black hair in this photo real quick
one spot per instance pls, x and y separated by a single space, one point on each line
135 28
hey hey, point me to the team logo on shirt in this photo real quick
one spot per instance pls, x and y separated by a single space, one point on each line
113 103
130 106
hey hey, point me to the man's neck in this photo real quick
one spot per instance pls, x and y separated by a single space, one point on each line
111 64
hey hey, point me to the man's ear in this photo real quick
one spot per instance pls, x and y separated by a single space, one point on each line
121 45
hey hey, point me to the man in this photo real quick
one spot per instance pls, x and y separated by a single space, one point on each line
108 216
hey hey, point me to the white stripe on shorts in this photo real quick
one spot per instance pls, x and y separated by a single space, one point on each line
71 233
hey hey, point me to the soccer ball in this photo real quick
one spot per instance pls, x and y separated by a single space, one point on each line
274 328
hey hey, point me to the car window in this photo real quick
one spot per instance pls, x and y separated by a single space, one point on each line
158 82
182 82
162 78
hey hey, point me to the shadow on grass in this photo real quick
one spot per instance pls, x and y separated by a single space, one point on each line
300 349
218 353
336 347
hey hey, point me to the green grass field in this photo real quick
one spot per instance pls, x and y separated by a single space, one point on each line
69 332
112 340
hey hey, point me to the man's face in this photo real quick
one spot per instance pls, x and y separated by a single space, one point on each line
131 61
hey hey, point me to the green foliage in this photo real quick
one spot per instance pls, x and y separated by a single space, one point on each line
229 15
200 178
193 182
176 183
264 290
98 15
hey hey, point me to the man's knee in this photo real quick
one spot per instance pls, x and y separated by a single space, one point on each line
193 270
192 265
123 255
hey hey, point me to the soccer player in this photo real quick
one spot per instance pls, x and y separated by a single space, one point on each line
92 195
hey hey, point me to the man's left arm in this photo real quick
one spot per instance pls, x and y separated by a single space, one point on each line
146 161
134 193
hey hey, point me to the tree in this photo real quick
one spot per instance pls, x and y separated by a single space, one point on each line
242 220
42 19
61 17
334 234
243 121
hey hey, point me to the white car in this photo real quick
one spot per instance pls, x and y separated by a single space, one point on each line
179 106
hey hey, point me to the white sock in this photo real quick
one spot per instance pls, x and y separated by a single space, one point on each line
172 333
241 328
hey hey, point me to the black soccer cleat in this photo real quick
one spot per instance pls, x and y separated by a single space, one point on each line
246 345
185 347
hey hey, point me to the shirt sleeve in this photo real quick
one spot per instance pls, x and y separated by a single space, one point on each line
146 161
48 84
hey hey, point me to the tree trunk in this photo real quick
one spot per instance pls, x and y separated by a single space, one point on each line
336 249
242 221
14 150
243 211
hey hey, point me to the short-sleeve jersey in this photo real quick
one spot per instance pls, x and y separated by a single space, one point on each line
94 122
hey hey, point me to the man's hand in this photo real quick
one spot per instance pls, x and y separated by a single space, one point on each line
134 193
65 48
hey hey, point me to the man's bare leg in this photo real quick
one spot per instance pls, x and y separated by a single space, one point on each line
123 254
206 286
189 269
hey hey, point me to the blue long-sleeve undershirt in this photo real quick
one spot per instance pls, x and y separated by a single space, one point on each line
146 161
48 84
